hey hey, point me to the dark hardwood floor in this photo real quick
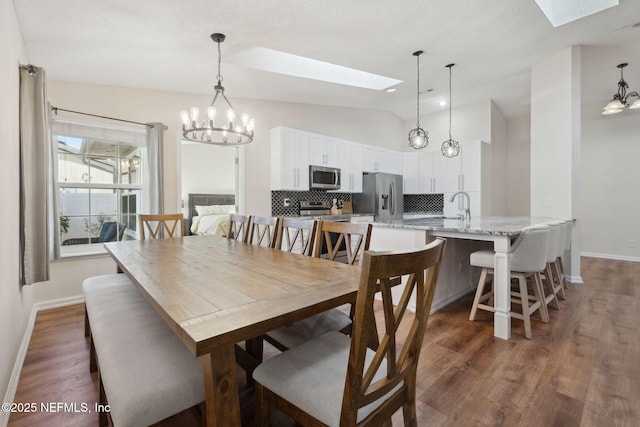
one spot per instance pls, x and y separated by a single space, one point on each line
581 369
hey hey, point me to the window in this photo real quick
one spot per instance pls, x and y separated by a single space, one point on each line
102 185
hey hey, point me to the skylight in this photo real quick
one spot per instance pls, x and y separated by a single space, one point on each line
292 65
560 12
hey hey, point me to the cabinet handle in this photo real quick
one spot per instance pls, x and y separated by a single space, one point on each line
462 179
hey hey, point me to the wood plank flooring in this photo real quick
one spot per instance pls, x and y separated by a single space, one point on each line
581 369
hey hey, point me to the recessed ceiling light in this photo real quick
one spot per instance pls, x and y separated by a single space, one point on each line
442 103
261 58
560 12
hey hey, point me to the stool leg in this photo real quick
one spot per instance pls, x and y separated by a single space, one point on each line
548 279
524 301
539 293
559 279
479 292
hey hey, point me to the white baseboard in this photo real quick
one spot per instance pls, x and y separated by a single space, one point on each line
24 346
610 256
576 280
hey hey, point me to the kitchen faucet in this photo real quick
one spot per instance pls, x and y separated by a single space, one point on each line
467 211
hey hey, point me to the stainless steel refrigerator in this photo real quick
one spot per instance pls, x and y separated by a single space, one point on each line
381 195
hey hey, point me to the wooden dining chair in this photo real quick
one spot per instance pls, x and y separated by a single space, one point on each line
161 225
334 380
263 231
238 227
297 235
336 319
342 241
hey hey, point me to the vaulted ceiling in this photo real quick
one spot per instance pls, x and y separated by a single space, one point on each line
165 45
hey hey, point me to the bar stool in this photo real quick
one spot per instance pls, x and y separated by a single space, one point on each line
527 259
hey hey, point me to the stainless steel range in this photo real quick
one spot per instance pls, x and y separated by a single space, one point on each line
314 208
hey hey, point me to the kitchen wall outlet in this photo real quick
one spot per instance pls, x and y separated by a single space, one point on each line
632 243
286 202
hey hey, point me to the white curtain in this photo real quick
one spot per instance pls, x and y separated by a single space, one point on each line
155 143
34 176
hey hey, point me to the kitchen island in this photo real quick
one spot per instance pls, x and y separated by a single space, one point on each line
456 276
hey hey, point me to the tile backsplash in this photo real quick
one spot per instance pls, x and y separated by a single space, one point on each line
413 203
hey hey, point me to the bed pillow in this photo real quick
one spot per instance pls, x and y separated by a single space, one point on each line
215 209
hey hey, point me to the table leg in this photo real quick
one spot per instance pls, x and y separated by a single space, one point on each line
502 288
222 404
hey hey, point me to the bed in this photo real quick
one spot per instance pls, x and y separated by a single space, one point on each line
209 213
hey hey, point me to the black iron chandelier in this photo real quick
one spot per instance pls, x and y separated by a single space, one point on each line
235 130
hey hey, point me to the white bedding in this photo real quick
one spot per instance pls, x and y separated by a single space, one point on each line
215 224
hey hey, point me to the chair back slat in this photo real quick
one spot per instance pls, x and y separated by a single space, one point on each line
263 231
238 227
297 235
338 238
421 268
161 226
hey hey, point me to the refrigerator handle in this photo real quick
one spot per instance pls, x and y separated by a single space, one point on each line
392 205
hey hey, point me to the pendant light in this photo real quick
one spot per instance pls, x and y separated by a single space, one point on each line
621 98
418 137
234 130
450 148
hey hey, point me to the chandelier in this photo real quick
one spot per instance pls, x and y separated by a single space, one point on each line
233 131
450 148
418 137
619 101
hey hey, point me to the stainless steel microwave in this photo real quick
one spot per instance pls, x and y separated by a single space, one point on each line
324 178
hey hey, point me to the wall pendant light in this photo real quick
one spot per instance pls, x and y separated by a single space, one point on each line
619 101
450 148
232 132
418 137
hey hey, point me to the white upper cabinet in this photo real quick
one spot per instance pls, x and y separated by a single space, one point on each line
323 150
381 160
289 159
411 172
350 164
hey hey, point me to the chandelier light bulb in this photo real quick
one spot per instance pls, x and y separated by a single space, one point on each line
185 118
195 112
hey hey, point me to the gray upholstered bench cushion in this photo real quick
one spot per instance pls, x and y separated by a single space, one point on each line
147 372
312 375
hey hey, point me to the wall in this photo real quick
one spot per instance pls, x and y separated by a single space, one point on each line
15 303
610 176
499 196
517 167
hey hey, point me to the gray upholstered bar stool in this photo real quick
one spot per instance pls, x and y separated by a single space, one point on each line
527 258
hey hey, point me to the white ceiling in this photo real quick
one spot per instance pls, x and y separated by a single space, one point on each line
164 44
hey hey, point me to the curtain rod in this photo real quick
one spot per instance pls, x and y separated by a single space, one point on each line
56 109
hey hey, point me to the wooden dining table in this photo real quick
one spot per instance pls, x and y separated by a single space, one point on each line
214 293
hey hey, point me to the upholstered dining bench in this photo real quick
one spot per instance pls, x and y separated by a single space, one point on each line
146 373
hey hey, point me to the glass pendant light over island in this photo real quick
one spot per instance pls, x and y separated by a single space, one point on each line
231 132
418 137
450 148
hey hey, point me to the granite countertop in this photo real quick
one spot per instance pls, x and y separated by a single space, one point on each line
494 225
